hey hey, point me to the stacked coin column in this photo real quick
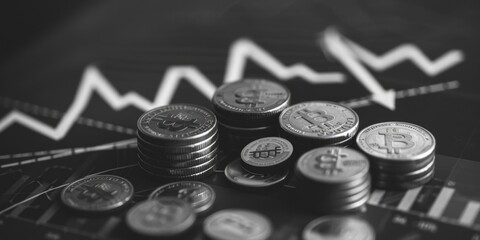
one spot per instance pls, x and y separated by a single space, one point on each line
178 141
248 110
402 155
315 124
333 179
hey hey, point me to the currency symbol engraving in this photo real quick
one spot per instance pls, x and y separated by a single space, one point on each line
251 97
393 136
96 192
176 123
327 163
317 119
265 152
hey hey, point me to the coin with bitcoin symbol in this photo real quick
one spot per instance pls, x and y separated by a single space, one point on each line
397 141
179 124
266 154
97 193
251 99
324 122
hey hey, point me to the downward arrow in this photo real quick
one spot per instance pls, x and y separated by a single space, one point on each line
339 49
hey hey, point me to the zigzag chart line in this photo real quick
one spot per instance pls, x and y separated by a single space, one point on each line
93 81
240 51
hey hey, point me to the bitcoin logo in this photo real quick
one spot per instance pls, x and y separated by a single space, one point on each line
251 97
265 152
393 136
96 192
187 194
327 163
176 123
317 119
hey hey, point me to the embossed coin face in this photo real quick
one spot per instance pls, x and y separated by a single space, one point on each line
200 195
177 122
97 193
396 141
338 228
267 152
165 216
236 174
251 96
333 165
238 224
326 121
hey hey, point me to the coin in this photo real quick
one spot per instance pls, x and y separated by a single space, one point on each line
181 149
407 175
170 171
162 163
179 157
335 190
397 141
266 153
403 185
161 217
236 174
177 124
338 228
326 122
233 224
250 99
97 193
333 165
165 177
200 195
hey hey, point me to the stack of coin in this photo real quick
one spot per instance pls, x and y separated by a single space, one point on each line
402 155
315 124
333 179
178 141
248 109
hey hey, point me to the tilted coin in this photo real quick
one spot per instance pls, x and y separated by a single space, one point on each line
326 122
250 99
338 228
238 175
200 195
332 165
396 141
161 217
233 224
97 193
177 124
265 153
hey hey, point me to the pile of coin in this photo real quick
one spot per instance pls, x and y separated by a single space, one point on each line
402 155
178 141
333 179
248 109
319 123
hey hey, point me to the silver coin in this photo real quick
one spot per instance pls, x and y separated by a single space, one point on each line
236 174
334 165
333 191
161 217
162 163
329 200
250 99
399 167
176 149
338 228
179 157
200 195
403 185
169 171
237 224
166 177
97 193
396 141
406 176
326 122
266 152
177 124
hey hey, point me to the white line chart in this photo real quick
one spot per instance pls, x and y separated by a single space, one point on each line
240 52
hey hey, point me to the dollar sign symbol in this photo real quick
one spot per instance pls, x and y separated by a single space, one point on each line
318 118
391 136
175 124
251 97
328 163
